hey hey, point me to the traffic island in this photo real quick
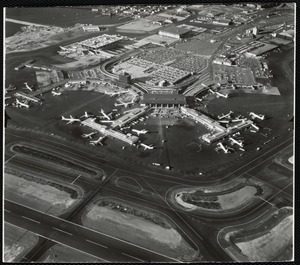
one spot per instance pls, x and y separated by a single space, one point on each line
228 198
39 193
146 228
17 242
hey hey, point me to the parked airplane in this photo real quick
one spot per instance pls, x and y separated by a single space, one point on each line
238 119
27 86
237 142
222 147
140 131
221 95
125 104
88 135
106 115
258 116
70 120
254 126
147 146
199 99
86 115
112 94
56 93
96 142
225 115
21 104
224 121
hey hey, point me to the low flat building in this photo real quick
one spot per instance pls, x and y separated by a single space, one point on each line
163 100
129 117
110 132
174 32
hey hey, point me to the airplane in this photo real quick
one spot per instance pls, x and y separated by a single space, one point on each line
254 126
27 86
147 146
222 147
112 94
96 142
21 104
199 99
86 115
7 98
225 115
70 120
140 131
88 135
56 93
239 119
105 115
224 121
221 95
237 142
258 116
123 103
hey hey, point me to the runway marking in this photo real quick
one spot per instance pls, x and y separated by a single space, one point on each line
75 179
132 257
267 201
50 239
10 159
62 231
96 231
96 243
31 219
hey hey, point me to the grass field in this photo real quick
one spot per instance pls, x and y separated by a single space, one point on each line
138 230
270 245
17 242
38 196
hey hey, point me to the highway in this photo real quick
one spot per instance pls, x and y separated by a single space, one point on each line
59 230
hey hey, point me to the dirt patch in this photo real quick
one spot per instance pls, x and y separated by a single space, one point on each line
17 242
162 237
268 246
40 194
64 254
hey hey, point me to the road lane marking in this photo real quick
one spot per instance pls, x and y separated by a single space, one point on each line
132 257
96 243
62 231
58 242
6 211
31 219
96 231
76 179
9 159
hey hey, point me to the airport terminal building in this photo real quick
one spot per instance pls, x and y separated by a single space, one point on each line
163 100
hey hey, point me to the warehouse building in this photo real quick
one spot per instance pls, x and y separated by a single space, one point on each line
163 100
174 32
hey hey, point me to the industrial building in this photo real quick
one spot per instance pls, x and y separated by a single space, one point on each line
218 131
163 100
129 117
174 32
132 139
104 41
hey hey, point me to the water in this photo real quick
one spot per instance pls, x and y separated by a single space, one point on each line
61 16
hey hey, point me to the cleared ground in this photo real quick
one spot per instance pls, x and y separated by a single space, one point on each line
17 242
268 246
138 230
64 254
139 25
39 196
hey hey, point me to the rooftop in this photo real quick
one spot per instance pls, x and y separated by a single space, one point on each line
175 30
164 99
